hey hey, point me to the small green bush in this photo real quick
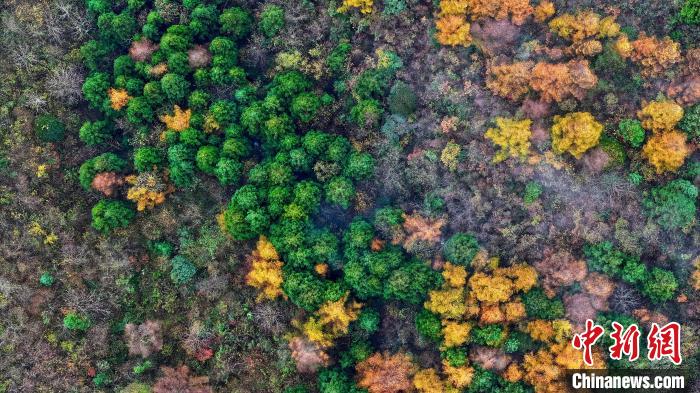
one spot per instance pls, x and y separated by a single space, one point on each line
182 270
538 305
402 99
49 128
108 215
75 321
631 132
690 13
673 205
461 248
533 190
271 20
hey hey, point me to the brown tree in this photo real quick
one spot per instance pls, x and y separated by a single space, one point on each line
144 339
179 380
384 373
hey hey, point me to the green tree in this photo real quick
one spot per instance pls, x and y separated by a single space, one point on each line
366 113
460 248
94 133
108 215
95 89
632 132
690 123
75 321
660 286
369 320
145 158
340 191
410 283
182 270
181 167
207 158
139 111
49 129
690 12
359 166
673 205
228 171
490 335
235 22
175 87
538 305
271 20
338 58
429 325
402 99
533 190
305 106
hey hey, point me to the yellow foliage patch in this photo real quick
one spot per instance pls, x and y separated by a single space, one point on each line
512 136
454 275
447 302
118 98
459 377
575 133
365 6
179 120
428 381
455 333
491 289
543 11
453 30
331 321
148 190
266 271
666 151
660 115
450 155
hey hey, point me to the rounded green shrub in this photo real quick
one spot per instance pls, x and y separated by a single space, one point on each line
49 129
460 248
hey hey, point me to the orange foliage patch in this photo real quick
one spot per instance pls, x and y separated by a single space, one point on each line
384 373
179 120
118 98
556 82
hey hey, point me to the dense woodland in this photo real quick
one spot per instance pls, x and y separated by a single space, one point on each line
342 196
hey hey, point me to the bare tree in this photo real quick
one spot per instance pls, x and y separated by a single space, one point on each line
65 84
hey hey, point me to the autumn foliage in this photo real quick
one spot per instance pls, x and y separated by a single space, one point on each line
107 182
516 10
266 270
512 136
179 120
331 321
308 355
118 98
655 55
179 380
452 26
148 189
385 373
666 151
509 80
555 82
575 133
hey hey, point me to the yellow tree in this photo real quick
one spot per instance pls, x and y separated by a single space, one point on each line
512 136
266 271
666 151
660 115
179 120
575 133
